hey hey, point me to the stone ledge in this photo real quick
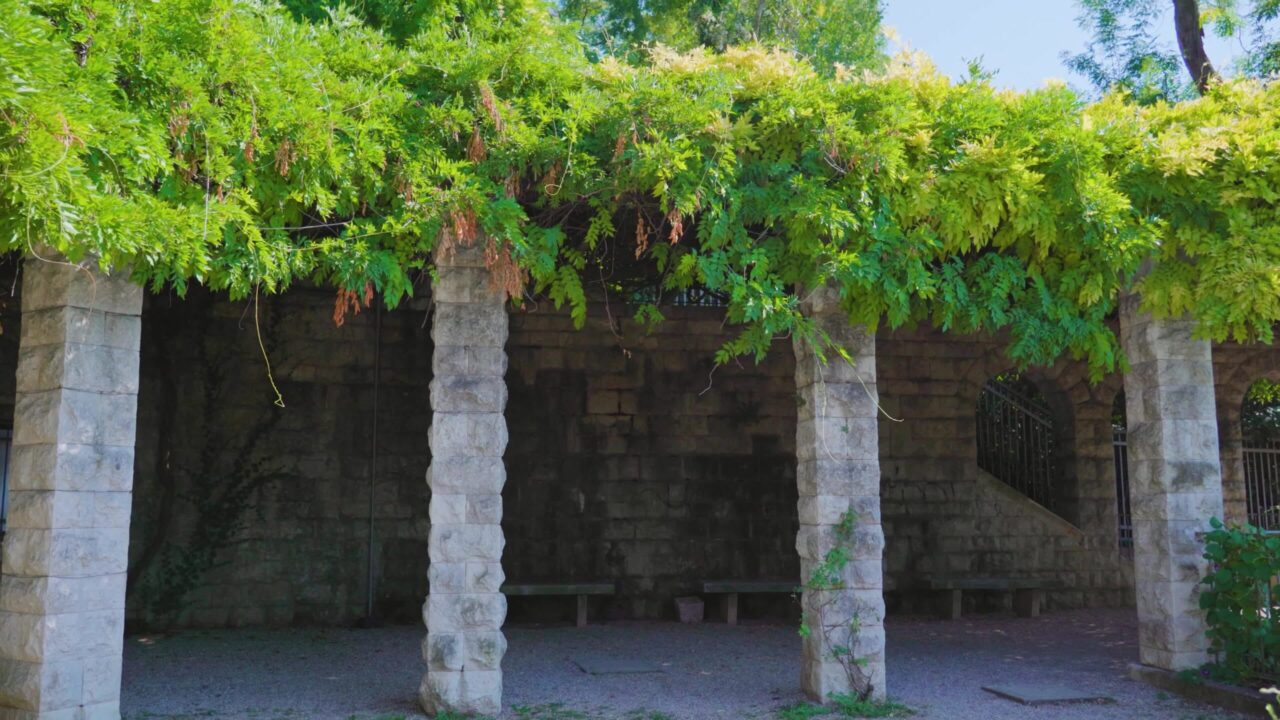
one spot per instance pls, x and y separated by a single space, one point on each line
993 484
1228 697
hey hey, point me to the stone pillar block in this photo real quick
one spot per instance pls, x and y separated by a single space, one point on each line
465 609
71 473
1175 480
838 476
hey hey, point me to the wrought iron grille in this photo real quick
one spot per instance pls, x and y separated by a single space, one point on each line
688 297
1262 484
1016 438
1124 511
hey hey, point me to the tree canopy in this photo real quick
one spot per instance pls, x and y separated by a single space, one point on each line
246 146
1126 50
827 32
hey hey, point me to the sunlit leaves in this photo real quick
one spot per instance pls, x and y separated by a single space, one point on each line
227 143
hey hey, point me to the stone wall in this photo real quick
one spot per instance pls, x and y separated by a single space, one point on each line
299 553
629 460
622 463
1235 369
944 516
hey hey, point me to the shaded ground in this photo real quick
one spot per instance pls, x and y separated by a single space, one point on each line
708 671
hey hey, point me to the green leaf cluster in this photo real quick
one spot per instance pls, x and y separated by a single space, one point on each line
1241 602
246 146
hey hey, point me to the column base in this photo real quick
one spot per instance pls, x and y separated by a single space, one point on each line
468 692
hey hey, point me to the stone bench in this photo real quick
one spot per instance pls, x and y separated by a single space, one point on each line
732 588
580 590
1028 593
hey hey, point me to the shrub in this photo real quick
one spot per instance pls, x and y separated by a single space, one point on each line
1242 601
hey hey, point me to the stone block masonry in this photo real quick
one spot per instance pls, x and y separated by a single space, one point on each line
634 461
838 476
464 611
630 460
1175 478
62 592
206 418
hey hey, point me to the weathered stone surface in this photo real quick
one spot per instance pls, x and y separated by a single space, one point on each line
1175 480
465 542
72 467
478 325
57 509
464 610
838 475
469 435
56 325
66 551
60 595
467 692
77 366
468 394
55 285
467 474
468 360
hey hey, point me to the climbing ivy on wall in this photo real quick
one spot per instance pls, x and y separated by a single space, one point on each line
232 144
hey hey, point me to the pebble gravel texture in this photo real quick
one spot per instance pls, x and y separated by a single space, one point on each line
708 671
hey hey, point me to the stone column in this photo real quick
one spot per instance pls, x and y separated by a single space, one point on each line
837 448
465 609
71 474
1174 478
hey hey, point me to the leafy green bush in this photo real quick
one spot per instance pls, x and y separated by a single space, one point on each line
1242 601
232 144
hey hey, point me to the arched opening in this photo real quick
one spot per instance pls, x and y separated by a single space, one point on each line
1260 431
1120 450
1018 438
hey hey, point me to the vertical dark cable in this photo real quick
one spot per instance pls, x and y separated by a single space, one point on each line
373 450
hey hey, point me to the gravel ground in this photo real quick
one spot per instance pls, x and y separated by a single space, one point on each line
707 671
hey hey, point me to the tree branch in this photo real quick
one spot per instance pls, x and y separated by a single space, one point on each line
1186 21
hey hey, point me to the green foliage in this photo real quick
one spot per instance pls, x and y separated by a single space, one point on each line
802 711
246 146
823 611
828 31
558 711
1127 49
845 706
852 707
1242 602
1260 414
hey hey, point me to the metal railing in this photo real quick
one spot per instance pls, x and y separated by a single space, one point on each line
695 296
1016 441
1124 511
1262 484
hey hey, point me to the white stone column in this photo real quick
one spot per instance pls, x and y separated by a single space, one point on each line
837 450
71 474
1174 478
465 609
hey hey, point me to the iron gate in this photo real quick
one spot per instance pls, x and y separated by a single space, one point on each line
1124 511
1016 439
1262 484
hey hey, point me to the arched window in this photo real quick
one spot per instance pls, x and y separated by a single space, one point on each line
1017 440
1120 449
1260 430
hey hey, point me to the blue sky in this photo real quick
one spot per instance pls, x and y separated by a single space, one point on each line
1022 40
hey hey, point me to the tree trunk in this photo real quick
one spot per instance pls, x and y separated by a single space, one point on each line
1186 21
